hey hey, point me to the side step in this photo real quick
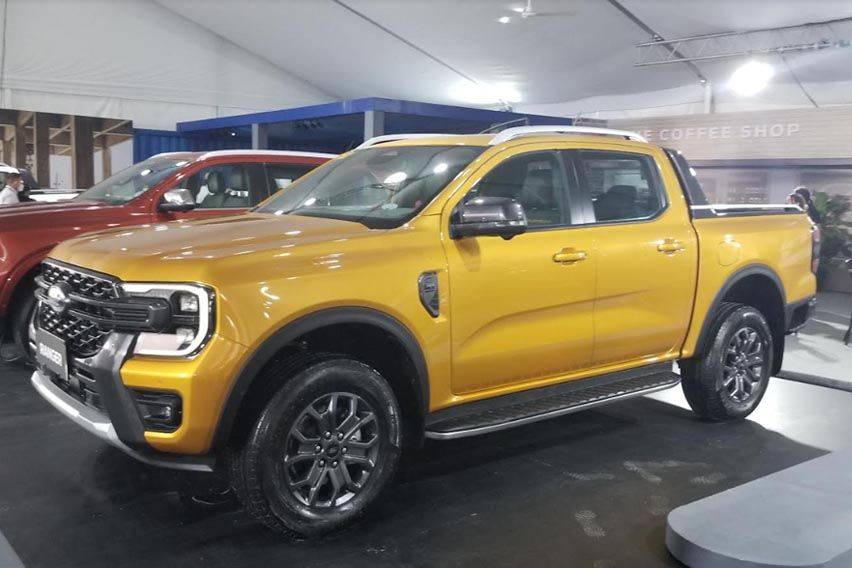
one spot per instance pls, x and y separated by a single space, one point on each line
483 417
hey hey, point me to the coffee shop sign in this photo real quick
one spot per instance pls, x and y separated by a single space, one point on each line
728 132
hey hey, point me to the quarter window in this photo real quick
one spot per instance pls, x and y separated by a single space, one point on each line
536 181
622 186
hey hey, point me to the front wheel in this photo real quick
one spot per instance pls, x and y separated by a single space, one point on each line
323 449
729 380
20 322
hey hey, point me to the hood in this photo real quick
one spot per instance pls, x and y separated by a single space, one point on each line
188 250
29 212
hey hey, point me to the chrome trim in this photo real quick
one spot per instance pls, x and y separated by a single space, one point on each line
98 424
539 417
746 206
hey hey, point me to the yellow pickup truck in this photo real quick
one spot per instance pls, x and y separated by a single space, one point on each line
420 286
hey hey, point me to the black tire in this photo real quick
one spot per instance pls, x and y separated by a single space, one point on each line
264 480
726 383
20 324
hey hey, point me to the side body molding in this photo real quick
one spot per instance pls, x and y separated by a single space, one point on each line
306 324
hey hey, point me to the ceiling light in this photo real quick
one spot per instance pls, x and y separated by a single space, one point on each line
483 94
751 78
504 19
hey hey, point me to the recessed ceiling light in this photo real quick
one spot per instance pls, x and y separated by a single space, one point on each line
751 78
504 19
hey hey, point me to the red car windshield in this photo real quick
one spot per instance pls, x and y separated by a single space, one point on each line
133 181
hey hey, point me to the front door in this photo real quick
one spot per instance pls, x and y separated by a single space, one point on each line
522 309
224 189
647 255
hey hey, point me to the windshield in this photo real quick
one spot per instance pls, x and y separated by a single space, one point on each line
379 187
133 181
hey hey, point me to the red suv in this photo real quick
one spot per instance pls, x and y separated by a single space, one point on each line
165 187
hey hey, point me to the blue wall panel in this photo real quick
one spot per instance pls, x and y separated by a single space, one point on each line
146 143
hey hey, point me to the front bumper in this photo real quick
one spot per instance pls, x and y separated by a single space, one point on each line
120 423
99 424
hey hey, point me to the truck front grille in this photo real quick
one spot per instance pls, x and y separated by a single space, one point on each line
88 285
83 337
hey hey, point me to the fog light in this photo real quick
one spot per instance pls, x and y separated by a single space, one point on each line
159 411
188 303
185 334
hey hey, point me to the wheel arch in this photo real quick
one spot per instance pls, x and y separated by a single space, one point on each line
759 286
320 321
25 271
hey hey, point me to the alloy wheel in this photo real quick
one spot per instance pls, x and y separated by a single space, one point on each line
331 450
742 365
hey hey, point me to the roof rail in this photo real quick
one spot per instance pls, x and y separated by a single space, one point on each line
394 137
518 131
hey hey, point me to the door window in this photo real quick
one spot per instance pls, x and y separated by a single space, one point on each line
622 186
537 181
279 176
226 186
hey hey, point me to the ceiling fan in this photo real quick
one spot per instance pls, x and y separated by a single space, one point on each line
529 12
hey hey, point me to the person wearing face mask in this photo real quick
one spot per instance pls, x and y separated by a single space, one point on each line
9 195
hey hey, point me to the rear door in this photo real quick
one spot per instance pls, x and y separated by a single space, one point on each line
647 254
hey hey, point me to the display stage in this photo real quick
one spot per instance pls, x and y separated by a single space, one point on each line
798 517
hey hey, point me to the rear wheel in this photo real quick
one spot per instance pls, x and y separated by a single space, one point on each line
323 449
729 380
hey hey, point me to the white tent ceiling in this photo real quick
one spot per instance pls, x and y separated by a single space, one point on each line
198 58
355 48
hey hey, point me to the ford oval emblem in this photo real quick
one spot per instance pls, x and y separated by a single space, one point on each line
57 296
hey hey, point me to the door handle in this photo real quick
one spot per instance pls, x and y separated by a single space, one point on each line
570 256
670 246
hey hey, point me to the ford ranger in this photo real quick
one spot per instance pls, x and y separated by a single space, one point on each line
417 287
166 187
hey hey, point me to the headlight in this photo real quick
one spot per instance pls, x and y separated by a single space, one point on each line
191 323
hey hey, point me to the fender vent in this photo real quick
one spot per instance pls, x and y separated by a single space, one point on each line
427 285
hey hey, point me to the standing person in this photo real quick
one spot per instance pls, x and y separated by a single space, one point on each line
810 208
9 195
796 199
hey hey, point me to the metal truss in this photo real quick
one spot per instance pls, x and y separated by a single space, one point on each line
805 37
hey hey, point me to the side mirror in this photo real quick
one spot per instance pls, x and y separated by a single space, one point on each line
488 216
177 199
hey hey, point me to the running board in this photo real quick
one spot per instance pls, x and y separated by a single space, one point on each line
506 412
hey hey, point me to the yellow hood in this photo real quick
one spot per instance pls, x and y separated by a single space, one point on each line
191 250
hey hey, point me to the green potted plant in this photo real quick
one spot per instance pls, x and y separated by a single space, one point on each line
836 240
